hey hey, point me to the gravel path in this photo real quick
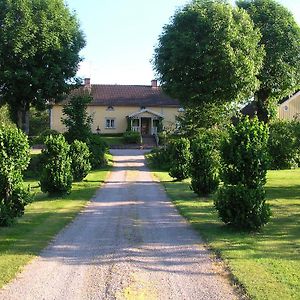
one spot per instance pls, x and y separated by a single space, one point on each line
129 243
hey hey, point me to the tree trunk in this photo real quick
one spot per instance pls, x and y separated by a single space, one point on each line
262 106
23 119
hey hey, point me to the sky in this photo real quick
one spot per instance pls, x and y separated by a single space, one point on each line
121 36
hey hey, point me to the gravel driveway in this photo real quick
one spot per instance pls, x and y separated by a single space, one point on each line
129 243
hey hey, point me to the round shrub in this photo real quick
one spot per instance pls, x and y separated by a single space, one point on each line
14 159
159 158
241 201
79 153
179 150
132 137
56 178
98 148
205 162
283 145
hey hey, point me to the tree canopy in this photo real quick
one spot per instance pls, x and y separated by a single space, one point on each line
209 53
280 74
40 42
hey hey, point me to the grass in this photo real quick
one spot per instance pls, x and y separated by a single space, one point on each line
265 264
42 220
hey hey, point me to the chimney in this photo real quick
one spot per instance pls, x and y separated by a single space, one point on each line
154 84
87 83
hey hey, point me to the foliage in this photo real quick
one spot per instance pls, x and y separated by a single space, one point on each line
205 162
159 158
77 120
280 74
132 137
80 154
241 201
40 140
34 167
39 54
208 53
179 152
98 148
206 115
14 159
56 177
5 117
39 121
283 145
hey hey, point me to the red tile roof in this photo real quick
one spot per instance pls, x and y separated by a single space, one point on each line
130 95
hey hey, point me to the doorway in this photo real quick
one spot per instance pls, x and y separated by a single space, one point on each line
145 126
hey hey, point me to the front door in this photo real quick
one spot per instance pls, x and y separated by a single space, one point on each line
145 124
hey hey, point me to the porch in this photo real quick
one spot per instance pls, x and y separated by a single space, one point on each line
146 122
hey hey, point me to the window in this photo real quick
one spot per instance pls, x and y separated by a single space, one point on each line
109 123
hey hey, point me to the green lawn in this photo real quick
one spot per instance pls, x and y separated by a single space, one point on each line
266 264
43 219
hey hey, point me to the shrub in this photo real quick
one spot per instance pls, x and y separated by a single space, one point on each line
34 167
40 140
79 153
159 159
14 159
98 148
283 145
179 150
132 137
241 201
56 177
205 162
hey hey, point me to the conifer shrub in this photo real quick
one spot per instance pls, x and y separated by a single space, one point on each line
98 148
240 202
14 159
205 162
80 154
56 177
179 151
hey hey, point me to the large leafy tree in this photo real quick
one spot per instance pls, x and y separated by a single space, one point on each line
40 42
209 53
280 75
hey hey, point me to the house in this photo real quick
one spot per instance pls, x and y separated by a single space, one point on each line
114 108
289 109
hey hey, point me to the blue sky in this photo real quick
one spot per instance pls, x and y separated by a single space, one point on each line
121 36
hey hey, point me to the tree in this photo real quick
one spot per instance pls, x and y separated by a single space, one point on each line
209 53
77 120
280 74
40 42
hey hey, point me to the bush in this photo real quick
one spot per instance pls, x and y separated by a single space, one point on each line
56 177
34 168
179 151
98 148
14 159
79 153
241 201
283 145
40 140
159 159
132 137
205 162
